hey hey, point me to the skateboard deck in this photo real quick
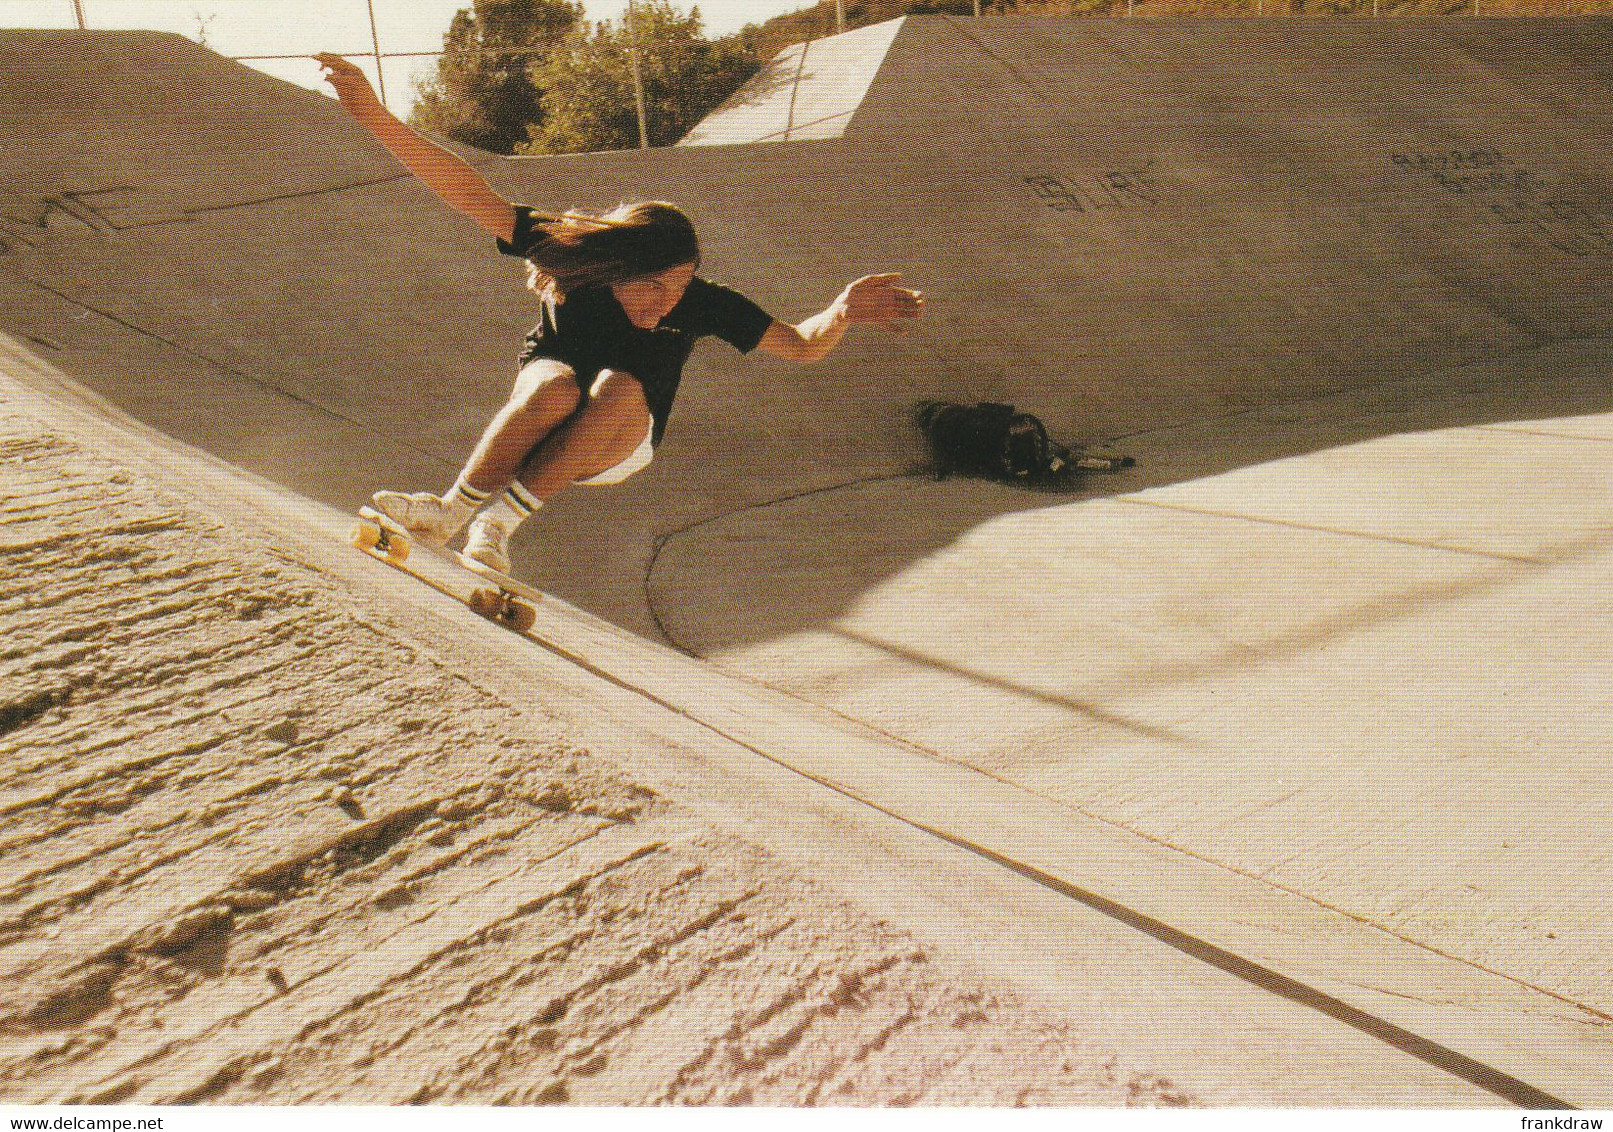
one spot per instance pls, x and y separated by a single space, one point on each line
508 601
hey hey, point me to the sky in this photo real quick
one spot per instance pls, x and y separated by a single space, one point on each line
301 27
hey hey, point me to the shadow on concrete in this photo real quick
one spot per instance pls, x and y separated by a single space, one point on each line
783 567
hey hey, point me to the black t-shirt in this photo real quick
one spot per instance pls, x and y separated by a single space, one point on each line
590 332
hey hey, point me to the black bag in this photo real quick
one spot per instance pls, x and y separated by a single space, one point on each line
992 440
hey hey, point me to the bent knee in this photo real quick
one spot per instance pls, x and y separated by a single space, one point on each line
547 388
620 395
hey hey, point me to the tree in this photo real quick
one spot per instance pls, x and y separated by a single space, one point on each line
588 99
820 19
483 93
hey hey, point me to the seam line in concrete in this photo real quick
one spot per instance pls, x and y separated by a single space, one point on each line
795 88
494 160
224 367
1101 819
1035 91
1417 544
300 195
780 136
1475 1072
1538 344
662 541
1518 431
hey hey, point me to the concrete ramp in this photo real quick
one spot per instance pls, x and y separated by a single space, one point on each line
807 92
128 129
1339 639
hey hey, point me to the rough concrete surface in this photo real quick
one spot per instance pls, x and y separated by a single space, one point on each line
1292 735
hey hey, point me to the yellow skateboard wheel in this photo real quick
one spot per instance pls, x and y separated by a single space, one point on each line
365 536
373 538
486 603
520 616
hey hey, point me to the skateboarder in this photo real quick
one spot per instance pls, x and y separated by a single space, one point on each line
622 307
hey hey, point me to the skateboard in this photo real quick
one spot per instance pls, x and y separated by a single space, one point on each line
1094 460
507 601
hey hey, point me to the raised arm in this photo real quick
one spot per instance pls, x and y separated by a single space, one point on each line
446 174
872 299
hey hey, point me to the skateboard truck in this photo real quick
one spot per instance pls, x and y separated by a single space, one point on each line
506 602
378 538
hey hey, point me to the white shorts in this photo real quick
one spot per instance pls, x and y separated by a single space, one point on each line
637 462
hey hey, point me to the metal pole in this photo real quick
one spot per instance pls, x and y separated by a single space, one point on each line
638 76
78 11
380 66
840 14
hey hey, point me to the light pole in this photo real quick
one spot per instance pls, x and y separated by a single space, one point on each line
638 75
78 11
375 38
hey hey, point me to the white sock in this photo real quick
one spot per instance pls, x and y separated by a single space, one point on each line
463 497
512 508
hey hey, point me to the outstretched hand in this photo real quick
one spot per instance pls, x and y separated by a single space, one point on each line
350 82
880 299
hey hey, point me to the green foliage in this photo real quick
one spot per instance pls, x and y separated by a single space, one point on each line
482 93
818 20
588 101
767 39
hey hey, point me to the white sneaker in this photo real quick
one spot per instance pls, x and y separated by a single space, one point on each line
430 518
489 544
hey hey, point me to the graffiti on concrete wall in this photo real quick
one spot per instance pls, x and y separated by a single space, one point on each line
31 223
1517 195
1123 188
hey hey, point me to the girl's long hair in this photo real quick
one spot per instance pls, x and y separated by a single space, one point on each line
636 240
